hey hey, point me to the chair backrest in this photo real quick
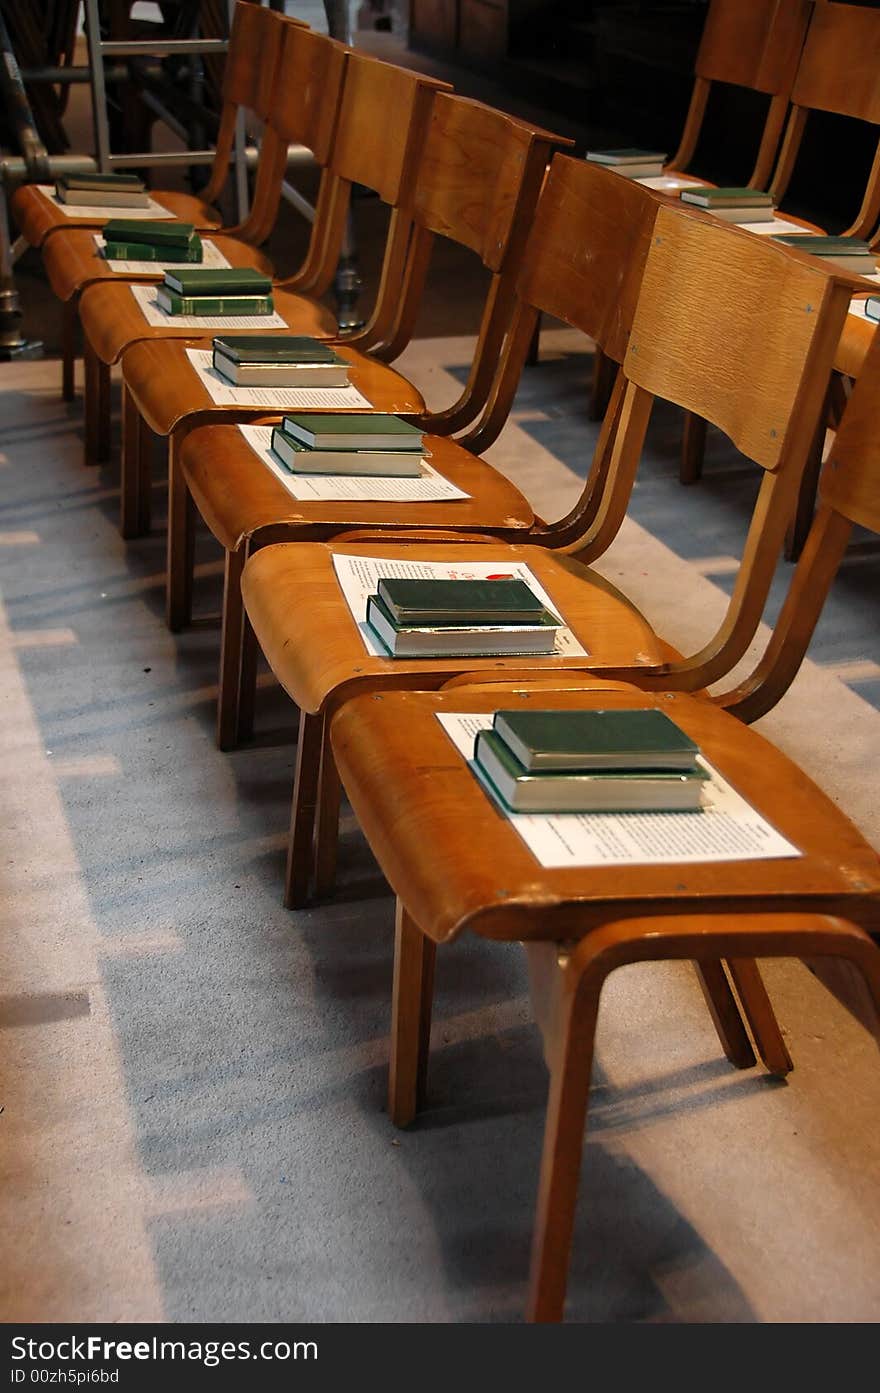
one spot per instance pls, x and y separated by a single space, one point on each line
838 72
741 333
754 44
479 175
583 264
251 65
849 495
302 108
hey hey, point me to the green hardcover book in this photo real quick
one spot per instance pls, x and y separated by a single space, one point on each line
726 198
218 280
146 251
629 155
101 182
353 431
872 307
275 348
151 230
572 740
596 792
462 639
212 304
299 459
847 253
506 601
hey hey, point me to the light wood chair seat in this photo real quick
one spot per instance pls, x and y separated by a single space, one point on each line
75 262
37 216
855 340
456 864
240 499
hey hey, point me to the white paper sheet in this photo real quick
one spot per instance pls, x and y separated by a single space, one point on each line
98 211
211 256
225 393
357 576
145 295
430 488
727 828
669 183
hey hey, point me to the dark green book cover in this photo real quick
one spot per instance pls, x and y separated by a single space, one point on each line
275 348
432 602
460 619
146 251
726 198
218 280
872 307
627 155
130 183
582 791
152 230
374 430
613 739
824 246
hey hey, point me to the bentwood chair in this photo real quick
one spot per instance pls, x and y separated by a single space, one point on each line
837 73
248 84
726 324
377 137
302 109
458 865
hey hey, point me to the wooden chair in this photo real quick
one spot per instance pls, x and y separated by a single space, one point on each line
456 864
725 324
393 104
837 73
249 80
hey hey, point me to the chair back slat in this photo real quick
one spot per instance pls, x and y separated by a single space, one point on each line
382 124
255 44
586 250
305 105
840 64
851 479
694 330
472 183
755 45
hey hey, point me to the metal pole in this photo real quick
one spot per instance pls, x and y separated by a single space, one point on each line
347 284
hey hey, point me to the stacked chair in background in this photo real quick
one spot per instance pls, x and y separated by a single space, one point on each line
727 326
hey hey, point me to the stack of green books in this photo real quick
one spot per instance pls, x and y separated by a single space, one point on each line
102 190
589 761
213 290
846 253
278 360
632 163
459 618
732 204
872 307
147 239
373 442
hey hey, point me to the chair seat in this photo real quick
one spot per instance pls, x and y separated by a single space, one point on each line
312 644
412 791
38 217
238 497
111 319
74 262
165 387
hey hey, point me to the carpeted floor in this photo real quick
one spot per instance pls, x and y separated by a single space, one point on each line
193 1078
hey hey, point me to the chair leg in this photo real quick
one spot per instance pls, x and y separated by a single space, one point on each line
809 485
411 1003
693 448
760 1015
563 1146
69 321
725 1014
181 544
327 822
136 479
232 622
247 686
604 376
95 386
302 813
535 345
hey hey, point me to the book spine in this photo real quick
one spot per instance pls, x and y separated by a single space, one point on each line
143 251
217 305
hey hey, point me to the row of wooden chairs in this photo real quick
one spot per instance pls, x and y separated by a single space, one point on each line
702 314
